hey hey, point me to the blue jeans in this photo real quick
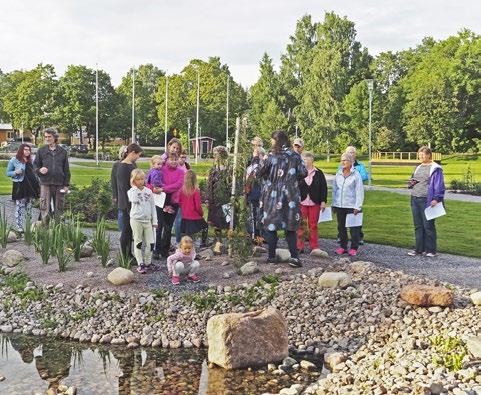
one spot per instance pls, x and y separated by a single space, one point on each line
178 220
424 230
120 219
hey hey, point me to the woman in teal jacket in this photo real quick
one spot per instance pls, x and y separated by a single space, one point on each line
25 184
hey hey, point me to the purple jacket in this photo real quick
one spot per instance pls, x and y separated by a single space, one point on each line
436 186
155 178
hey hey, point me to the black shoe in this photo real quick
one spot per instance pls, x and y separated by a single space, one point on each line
295 262
271 260
361 242
156 256
301 251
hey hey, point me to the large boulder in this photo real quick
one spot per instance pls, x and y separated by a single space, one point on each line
120 276
476 298
282 255
12 258
334 280
238 340
249 268
427 295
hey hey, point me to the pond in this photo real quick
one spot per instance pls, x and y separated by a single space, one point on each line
32 365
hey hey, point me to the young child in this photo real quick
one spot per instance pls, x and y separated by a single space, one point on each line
182 262
143 218
155 179
192 215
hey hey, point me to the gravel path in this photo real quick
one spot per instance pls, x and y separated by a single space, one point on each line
455 269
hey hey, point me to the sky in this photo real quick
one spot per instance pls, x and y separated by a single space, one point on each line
119 34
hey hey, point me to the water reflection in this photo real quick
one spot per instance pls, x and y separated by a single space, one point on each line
33 365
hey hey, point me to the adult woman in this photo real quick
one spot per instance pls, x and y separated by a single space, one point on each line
25 184
124 171
218 194
184 166
313 190
347 198
427 189
280 199
113 184
173 180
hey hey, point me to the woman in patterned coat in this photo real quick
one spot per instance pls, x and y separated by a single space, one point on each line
280 197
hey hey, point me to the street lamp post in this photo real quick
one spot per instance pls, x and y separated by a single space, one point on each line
188 136
133 105
197 120
227 144
97 115
166 110
370 87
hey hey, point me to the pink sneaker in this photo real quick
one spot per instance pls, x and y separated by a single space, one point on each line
352 252
175 280
194 278
340 251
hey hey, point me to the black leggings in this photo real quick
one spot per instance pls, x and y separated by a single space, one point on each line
126 236
163 234
291 238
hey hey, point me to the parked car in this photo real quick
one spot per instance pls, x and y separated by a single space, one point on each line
65 147
12 148
80 148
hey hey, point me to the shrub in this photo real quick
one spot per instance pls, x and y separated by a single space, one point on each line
4 227
92 202
101 241
75 236
124 260
28 235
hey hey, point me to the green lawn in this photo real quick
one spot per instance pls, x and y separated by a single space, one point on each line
454 167
388 220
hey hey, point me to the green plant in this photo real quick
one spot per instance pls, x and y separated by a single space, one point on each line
159 293
156 318
84 314
124 260
64 257
101 241
28 236
43 241
4 227
202 301
48 323
75 236
449 352
16 281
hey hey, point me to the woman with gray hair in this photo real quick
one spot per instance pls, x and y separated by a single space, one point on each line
347 198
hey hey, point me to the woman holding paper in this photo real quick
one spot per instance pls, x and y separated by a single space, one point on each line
347 200
313 190
427 190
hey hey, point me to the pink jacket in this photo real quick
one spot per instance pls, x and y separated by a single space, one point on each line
173 181
179 256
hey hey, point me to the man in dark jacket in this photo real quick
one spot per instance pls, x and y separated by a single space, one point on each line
52 167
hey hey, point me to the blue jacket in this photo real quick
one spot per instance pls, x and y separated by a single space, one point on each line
436 186
361 169
14 164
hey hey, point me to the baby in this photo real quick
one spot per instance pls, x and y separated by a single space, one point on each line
182 262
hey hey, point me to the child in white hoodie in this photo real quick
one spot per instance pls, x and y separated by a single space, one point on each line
143 217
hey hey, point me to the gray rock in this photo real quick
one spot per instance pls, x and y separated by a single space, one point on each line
288 361
6 328
206 255
12 258
307 365
282 255
473 343
86 251
12 237
476 298
436 389
120 276
334 280
146 340
249 268
318 253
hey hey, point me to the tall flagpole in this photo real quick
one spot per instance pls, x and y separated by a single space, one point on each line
133 105
166 110
227 116
197 121
97 115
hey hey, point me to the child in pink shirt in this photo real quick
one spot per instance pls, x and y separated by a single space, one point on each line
182 262
192 214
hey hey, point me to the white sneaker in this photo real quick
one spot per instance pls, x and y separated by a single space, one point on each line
431 254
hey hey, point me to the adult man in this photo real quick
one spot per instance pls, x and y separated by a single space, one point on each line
298 145
51 166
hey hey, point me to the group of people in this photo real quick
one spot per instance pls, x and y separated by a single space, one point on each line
283 188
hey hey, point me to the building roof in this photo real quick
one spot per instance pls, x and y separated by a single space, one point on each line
6 126
202 138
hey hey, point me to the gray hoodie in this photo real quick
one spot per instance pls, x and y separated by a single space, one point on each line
143 206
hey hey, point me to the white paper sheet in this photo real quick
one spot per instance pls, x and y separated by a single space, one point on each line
159 199
325 215
435 212
353 220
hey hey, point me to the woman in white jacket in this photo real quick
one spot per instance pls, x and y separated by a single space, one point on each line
347 198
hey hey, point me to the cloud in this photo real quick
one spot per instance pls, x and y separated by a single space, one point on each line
118 34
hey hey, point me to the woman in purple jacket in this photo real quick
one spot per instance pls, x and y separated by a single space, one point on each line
427 189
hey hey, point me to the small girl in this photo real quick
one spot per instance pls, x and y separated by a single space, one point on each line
155 179
191 208
143 218
182 262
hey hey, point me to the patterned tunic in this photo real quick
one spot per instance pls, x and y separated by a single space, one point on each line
280 196
218 194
